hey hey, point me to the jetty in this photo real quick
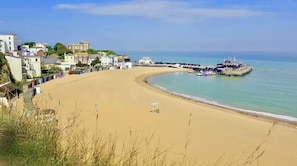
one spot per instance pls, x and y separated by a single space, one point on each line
229 67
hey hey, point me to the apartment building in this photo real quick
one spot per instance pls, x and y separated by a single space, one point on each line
9 43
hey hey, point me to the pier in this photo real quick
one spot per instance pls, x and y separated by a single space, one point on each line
229 67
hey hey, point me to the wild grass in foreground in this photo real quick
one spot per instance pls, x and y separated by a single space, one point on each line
27 142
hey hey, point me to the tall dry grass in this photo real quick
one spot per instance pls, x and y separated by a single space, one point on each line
29 141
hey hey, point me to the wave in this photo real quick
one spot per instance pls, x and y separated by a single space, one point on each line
203 100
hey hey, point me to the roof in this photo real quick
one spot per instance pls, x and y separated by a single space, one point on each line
8 87
93 56
49 60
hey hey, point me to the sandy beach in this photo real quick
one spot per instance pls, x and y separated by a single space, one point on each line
206 134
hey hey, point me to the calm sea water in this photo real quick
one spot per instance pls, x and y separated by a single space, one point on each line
270 89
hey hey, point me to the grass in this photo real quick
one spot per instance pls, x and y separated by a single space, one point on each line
24 141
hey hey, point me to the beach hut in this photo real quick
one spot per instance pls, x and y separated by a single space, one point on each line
34 92
38 90
40 81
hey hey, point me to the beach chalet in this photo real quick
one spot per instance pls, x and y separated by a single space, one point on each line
145 61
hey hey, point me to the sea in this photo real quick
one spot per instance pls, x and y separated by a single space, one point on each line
269 90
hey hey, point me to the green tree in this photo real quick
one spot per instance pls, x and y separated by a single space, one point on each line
54 69
79 64
31 44
96 61
61 49
92 51
109 52
50 50
2 59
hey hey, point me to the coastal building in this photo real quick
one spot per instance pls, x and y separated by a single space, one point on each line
9 43
231 67
82 58
69 62
92 57
106 61
111 60
48 62
145 60
32 65
76 58
124 58
80 47
69 58
39 49
15 64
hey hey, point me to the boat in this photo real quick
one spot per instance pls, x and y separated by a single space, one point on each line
206 73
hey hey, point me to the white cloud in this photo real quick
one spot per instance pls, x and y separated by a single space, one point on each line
170 11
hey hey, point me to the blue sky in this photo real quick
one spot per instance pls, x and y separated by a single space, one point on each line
156 25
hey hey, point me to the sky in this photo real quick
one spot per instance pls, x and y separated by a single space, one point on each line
156 25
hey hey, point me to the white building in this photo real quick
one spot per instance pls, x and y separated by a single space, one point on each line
66 66
9 43
32 66
109 60
15 64
92 57
69 58
145 60
26 50
105 60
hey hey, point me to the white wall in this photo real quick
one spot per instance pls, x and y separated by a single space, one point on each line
15 64
33 66
69 58
9 43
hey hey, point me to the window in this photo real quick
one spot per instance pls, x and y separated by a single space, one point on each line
36 60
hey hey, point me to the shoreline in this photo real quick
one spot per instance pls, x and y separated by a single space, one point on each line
143 80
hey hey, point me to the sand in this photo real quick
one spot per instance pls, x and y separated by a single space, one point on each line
206 134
